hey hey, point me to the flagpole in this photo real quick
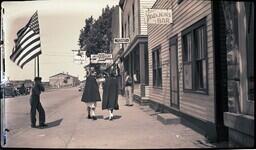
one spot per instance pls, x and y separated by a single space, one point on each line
35 67
38 65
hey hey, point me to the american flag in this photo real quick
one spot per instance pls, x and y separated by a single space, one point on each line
27 45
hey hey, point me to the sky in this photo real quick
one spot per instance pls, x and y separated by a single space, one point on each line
60 22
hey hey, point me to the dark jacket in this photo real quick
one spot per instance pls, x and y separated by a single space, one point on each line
110 94
128 81
36 91
91 90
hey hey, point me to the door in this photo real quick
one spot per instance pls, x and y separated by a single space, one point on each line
174 78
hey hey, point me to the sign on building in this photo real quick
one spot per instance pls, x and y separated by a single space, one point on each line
121 40
159 16
79 57
101 58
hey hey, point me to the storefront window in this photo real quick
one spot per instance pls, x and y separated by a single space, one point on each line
200 48
187 40
194 57
157 67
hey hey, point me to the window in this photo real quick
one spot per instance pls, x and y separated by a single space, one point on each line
125 30
200 59
133 18
249 8
129 26
157 67
187 62
194 57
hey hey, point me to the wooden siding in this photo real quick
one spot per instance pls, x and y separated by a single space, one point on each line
140 6
144 6
128 11
185 14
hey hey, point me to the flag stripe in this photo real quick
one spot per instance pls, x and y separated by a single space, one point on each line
36 53
18 46
24 45
32 57
22 35
21 31
30 40
26 35
27 50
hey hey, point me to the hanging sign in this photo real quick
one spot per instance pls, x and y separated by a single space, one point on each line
101 58
121 40
79 57
159 16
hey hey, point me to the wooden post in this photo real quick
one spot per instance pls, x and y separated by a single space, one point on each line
35 67
38 66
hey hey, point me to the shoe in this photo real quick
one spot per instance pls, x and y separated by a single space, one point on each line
89 112
94 118
89 117
33 126
131 105
110 117
126 104
43 125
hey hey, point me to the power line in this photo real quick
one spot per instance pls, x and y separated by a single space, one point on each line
59 55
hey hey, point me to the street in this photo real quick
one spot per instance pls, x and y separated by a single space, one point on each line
68 126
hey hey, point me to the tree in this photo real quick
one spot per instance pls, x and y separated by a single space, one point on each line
96 35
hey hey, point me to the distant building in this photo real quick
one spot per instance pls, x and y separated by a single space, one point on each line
63 80
18 83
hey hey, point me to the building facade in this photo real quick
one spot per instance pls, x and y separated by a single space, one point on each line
234 57
63 80
202 73
116 29
135 56
116 48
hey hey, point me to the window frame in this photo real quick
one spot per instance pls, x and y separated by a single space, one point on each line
133 17
129 25
158 66
192 30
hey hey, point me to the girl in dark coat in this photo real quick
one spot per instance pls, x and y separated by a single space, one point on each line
91 95
110 94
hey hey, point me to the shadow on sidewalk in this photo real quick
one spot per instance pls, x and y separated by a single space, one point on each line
114 117
53 123
99 116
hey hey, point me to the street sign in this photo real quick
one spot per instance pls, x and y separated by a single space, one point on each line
79 57
121 40
101 58
159 16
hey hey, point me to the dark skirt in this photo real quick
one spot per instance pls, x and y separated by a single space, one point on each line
110 94
91 91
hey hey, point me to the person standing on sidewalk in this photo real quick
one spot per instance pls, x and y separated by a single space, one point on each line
36 104
91 94
110 94
128 90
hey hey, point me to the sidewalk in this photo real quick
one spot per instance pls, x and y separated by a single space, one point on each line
133 127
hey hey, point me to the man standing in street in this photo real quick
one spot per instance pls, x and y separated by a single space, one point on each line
128 90
36 104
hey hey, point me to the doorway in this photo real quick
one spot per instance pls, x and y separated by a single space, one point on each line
174 77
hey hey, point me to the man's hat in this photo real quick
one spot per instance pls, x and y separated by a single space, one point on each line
37 79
